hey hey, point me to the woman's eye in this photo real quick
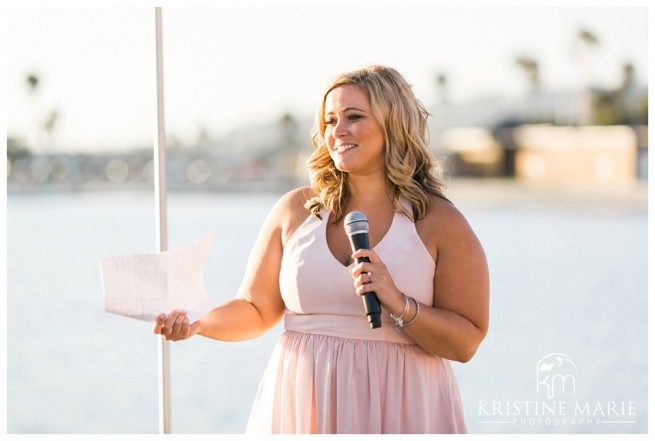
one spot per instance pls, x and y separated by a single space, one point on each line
352 117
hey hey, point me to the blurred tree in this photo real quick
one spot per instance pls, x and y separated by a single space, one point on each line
535 110
32 82
443 88
16 149
586 110
530 67
282 160
288 128
628 75
49 126
203 137
589 42
587 37
605 107
629 95
626 104
42 132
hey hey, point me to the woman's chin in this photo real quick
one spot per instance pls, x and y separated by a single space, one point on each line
343 167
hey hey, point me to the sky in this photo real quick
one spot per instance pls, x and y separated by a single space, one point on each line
228 67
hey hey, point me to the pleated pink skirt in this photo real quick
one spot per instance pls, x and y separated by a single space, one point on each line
317 383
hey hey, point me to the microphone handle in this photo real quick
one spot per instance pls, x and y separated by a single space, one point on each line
370 299
371 304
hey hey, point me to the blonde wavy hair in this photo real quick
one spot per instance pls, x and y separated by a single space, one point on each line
411 169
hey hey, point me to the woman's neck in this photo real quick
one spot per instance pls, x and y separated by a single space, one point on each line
369 192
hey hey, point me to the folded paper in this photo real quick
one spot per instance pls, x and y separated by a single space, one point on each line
143 286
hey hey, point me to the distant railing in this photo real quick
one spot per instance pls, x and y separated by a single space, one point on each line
130 171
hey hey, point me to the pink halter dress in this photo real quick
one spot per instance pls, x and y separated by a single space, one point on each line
330 372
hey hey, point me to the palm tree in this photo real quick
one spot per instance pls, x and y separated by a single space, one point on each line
530 67
288 127
32 82
44 128
588 38
534 102
629 94
442 87
49 126
589 41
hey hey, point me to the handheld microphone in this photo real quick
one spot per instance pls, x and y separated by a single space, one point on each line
356 226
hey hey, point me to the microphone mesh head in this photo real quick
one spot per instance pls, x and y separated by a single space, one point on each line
355 222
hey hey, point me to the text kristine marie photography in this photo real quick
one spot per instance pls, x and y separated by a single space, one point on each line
555 403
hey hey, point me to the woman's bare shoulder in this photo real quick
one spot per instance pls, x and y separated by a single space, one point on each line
291 212
293 202
443 223
442 211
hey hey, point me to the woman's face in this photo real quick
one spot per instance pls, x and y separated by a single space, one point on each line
352 134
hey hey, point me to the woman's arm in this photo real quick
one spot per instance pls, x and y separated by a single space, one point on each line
258 305
456 324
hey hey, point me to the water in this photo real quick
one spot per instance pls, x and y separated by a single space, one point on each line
562 282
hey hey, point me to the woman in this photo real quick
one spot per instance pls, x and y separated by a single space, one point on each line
330 372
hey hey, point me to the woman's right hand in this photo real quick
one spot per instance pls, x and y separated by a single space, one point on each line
175 326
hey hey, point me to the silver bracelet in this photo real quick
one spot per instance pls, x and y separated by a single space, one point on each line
418 309
399 321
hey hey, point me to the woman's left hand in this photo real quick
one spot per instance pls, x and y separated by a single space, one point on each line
373 276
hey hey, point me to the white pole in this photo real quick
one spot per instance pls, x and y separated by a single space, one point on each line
160 203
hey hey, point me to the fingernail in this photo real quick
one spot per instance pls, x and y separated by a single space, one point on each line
162 316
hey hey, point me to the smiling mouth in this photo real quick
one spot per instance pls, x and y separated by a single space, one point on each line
344 148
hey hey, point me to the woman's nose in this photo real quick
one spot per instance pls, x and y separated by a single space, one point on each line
340 128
